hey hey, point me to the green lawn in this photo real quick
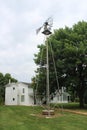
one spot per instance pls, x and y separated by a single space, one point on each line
20 118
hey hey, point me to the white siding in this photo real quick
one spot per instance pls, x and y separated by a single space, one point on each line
11 95
18 94
62 97
30 96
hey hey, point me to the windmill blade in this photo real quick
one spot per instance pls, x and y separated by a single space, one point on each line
50 21
38 30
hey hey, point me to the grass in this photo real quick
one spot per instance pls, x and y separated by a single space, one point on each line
21 118
72 106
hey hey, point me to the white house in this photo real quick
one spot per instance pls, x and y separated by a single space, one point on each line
19 94
61 96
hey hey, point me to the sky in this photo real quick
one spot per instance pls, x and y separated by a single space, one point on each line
19 20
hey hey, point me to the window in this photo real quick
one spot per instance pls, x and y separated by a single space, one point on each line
22 98
13 99
23 90
64 98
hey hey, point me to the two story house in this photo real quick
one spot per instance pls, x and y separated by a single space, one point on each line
19 94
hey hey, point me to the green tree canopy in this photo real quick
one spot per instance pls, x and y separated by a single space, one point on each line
69 47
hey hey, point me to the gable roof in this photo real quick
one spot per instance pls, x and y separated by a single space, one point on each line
17 83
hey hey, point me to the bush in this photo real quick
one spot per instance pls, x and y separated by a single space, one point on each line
1 101
76 99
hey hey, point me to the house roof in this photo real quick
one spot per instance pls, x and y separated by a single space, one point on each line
66 93
27 84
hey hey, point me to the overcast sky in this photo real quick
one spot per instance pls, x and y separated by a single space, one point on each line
18 21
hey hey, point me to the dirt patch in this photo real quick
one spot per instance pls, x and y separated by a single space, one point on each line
57 113
76 112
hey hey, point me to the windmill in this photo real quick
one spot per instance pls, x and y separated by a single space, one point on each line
47 25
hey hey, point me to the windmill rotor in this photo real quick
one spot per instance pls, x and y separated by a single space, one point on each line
46 25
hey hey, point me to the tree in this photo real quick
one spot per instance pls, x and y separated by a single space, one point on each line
4 79
8 77
70 53
1 87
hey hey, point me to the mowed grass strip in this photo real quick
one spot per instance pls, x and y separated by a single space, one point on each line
23 118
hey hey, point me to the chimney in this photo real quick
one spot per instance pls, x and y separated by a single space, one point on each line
9 81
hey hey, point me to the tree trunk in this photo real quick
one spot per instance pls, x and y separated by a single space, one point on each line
81 85
81 99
